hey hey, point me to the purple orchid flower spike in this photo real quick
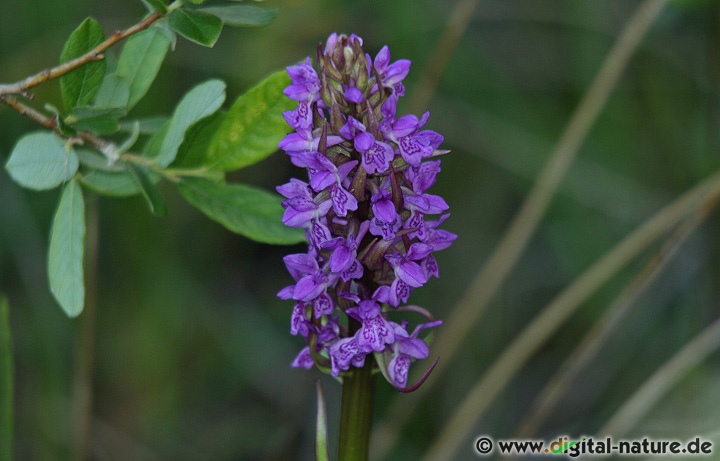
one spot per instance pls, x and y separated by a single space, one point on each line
371 224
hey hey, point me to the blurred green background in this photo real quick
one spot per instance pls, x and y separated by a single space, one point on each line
192 348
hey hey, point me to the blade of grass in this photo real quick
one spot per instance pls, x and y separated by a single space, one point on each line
486 283
551 317
593 341
455 28
664 378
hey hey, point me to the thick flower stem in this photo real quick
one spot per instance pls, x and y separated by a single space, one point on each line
358 398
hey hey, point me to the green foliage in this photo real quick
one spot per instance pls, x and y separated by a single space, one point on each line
148 190
65 256
41 161
200 102
7 400
252 127
193 150
245 210
98 120
140 61
120 184
79 86
197 140
196 26
242 15
113 98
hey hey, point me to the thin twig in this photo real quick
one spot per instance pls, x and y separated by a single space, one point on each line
557 386
21 87
29 112
483 288
50 123
95 54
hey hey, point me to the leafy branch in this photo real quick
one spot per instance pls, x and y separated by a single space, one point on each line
92 145
96 54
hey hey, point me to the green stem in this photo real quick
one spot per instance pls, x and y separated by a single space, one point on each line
6 382
356 413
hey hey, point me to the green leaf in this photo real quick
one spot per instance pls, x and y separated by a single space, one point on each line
113 95
100 125
101 120
6 382
200 102
253 126
121 184
193 150
242 15
41 161
154 144
196 26
148 125
80 85
140 61
90 112
65 257
246 210
149 191
131 140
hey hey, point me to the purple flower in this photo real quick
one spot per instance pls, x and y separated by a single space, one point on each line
324 174
311 280
419 205
344 260
414 145
405 348
391 74
301 210
303 359
406 269
352 94
375 331
365 209
385 222
422 177
376 155
305 84
344 352
301 117
299 322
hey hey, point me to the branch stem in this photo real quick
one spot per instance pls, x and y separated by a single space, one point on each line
95 54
